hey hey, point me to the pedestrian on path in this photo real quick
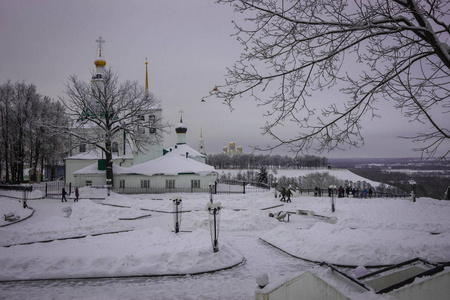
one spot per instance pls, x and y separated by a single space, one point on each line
77 194
289 194
63 199
283 193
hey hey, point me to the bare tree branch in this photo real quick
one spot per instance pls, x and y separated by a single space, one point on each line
295 49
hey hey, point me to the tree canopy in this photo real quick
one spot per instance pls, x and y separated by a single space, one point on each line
102 109
26 140
368 51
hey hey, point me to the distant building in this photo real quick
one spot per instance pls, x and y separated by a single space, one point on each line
232 150
201 144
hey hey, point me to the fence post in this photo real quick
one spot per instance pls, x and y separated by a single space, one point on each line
243 186
70 188
46 190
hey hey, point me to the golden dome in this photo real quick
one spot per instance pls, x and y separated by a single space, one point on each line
100 62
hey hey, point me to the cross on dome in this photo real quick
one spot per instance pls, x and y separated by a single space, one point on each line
100 41
181 115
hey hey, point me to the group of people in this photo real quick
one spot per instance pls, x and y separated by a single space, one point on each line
285 193
352 192
64 193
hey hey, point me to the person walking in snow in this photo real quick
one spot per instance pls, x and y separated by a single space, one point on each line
77 194
63 199
283 194
288 194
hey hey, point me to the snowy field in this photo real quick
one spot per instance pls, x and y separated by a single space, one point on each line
142 243
342 174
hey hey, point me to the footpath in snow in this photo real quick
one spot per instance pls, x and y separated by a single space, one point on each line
367 232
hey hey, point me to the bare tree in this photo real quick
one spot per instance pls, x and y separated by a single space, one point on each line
26 139
294 50
104 109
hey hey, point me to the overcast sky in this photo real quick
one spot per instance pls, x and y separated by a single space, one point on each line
188 45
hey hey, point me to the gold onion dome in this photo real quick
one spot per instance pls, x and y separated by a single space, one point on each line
100 62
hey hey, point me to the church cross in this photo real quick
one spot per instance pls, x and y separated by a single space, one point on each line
181 115
100 41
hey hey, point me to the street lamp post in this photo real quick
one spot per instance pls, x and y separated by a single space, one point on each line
275 187
177 205
413 190
211 193
332 193
214 221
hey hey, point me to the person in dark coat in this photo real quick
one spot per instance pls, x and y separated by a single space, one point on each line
63 199
77 194
289 194
283 194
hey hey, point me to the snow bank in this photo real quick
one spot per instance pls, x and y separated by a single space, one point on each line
368 232
141 252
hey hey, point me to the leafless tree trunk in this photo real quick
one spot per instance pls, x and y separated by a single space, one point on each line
109 109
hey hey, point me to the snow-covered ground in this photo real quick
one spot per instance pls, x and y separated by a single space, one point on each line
342 174
366 232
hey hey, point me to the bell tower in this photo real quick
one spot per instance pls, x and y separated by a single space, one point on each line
153 116
201 144
100 63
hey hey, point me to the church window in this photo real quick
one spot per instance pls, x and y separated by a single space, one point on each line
145 184
152 121
82 148
88 182
170 184
122 183
195 184
141 119
115 147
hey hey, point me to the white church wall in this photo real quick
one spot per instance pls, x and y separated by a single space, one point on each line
73 165
90 179
155 149
159 181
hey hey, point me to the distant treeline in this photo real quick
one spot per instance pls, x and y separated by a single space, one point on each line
427 184
251 161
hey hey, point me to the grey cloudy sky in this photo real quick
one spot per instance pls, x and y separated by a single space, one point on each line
188 46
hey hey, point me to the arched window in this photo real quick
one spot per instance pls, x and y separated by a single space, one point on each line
152 121
115 147
141 119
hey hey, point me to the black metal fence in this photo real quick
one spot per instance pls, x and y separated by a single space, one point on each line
359 194
239 187
52 188
22 189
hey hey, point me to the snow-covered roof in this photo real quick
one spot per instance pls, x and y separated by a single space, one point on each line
91 169
181 149
181 125
91 154
169 164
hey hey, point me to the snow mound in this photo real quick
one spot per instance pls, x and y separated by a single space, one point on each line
142 252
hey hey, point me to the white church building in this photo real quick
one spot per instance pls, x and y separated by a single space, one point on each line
175 169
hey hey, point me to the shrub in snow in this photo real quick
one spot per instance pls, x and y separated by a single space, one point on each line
360 271
262 280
